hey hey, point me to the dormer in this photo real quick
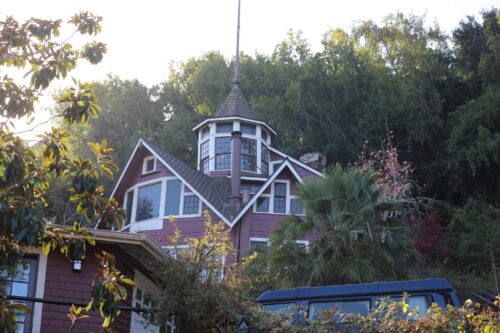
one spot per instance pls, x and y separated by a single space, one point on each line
215 133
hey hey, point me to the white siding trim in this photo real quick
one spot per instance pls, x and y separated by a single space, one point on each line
39 289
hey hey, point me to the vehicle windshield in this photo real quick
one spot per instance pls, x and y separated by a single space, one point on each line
360 306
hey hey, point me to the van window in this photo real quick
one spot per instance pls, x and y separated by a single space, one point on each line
280 308
361 306
416 304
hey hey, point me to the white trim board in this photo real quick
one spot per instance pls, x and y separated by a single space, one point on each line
39 288
235 118
301 164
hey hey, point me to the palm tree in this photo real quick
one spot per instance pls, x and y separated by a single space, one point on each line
359 236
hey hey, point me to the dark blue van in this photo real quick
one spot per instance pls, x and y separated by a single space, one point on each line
360 298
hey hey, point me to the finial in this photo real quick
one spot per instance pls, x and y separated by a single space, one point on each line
237 60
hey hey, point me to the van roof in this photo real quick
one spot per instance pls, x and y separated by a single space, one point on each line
363 289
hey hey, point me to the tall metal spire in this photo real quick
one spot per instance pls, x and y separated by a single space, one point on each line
237 60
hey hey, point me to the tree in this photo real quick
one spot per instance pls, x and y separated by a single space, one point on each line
34 48
357 240
475 232
200 287
474 142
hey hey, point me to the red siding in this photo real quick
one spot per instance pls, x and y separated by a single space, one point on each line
61 283
189 228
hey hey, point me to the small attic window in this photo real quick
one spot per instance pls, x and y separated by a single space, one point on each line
148 165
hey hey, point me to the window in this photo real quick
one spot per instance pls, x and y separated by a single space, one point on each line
264 160
128 207
359 306
263 204
263 134
224 128
417 306
148 202
247 129
222 153
248 155
148 164
204 156
280 191
173 197
258 244
253 188
22 283
166 196
280 308
205 132
191 205
142 301
296 206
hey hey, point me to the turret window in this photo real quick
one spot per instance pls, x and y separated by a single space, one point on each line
204 156
222 153
248 155
224 127
247 129
205 132
264 160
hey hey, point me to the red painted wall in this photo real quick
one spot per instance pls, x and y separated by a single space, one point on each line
61 283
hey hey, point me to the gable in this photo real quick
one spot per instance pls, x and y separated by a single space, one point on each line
168 166
284 172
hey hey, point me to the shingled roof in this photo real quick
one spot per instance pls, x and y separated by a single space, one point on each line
213 191
235 105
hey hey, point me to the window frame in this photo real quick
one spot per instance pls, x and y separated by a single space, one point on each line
185 191
252 142
136 198
261 240
296 197
204 160
271 197
145 161
216 168
33 262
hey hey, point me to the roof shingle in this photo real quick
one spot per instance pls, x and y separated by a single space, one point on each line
235 105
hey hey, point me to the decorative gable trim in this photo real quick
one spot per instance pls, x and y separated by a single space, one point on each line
301 164
126 168
159 158
286 164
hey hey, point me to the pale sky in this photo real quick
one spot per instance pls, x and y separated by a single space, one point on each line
144 37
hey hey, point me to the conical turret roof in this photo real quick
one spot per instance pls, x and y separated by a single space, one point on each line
235 105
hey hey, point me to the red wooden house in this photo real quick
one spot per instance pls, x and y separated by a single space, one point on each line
240 178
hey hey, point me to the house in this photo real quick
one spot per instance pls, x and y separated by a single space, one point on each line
240 178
